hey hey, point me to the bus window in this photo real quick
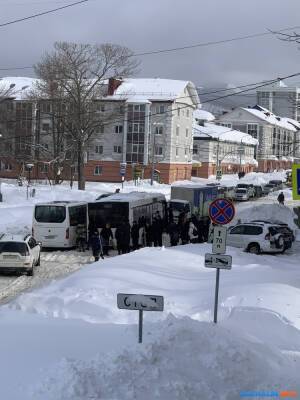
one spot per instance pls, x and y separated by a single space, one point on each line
52 214
77 215
110 212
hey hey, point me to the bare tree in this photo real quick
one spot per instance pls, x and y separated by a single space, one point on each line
76 75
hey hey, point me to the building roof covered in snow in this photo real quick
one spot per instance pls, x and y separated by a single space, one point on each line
267 116
216 132
21 88
203 115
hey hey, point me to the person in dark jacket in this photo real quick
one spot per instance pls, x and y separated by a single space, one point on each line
106 234
174 233
280 198
157 231
148 234
118 237
184 231
135 233
126 237
96 245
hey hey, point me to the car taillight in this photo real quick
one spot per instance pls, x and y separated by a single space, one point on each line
267 237
67 233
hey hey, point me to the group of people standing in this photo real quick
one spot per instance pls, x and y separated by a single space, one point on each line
143 233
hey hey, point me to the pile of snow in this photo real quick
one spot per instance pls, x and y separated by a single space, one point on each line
175 363
267 212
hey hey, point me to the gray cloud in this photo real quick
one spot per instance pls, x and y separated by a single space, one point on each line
148 25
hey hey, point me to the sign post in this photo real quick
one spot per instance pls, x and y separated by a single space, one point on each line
140 303
123 172
221 212
296 181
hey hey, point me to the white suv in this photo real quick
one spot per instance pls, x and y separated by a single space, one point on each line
257 237
19 253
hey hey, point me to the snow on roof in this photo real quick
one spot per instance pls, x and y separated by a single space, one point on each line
22 86
266 115
132 196
154 89
203 115
293 122
210 130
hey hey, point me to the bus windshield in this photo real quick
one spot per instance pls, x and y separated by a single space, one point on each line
108 212
53 214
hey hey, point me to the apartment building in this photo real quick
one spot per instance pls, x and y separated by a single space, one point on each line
277 136
217 147
280 99
147 124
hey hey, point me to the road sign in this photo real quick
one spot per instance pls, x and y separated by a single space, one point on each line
296 181
221 211
222 261
219 240
219 174
140 303
123 169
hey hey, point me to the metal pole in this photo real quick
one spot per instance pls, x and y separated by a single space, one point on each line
217 168
152 161
216 295
140 326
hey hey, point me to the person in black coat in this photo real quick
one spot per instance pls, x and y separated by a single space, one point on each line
95 242
118 237
184 232
157 230
106 234
280 198
149 234
126 237
174 233
135 233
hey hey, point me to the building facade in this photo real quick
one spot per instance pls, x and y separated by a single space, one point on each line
148 125
217 147
276 135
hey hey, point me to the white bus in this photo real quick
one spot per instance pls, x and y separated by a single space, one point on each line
132 206
54 223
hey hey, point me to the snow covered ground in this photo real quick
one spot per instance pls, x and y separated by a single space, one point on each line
67 340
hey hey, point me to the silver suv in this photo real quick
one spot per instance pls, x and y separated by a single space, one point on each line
19 253
258 237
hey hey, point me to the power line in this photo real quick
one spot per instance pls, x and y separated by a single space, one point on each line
42 13
159 51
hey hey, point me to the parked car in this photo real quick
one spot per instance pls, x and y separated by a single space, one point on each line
248 186
277 183
268 188
258 237
19 253
281 228
241 194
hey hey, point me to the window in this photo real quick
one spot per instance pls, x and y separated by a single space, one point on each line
8 167
98 170
159 130
102 108
186 151
253 230
45 127
77 215
160 109
101 129
118 149
226 124
14 247
118 128
55 214
44 168
252 129
238 230
99 149
187 132
177 151
45 107
177 130
138 108
195 149
158 150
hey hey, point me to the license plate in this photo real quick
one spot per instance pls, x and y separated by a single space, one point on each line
10 257
50 237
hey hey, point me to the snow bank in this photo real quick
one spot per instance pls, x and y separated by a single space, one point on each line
181 359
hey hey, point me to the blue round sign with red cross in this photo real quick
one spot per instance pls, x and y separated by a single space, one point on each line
221 211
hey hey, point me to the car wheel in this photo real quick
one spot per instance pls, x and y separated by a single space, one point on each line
38 263
254 248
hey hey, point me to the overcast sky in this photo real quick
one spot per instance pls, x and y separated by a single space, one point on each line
145 25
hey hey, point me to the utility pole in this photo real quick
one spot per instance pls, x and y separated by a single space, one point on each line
152 158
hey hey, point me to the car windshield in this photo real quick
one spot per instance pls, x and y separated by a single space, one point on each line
14 247
54 214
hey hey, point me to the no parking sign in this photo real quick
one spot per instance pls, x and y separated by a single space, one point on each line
221 211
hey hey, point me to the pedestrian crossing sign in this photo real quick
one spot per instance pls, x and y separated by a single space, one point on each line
296 181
